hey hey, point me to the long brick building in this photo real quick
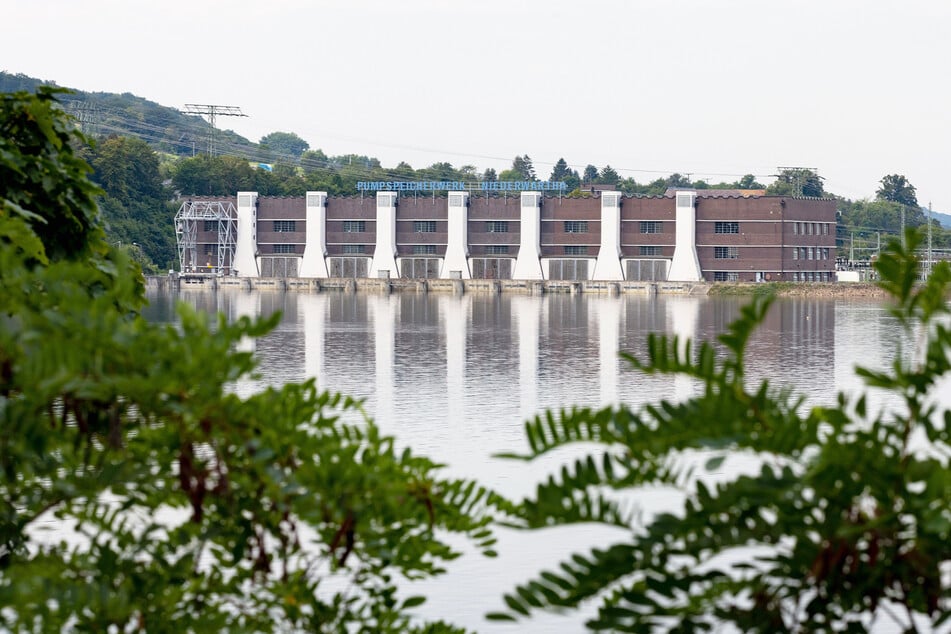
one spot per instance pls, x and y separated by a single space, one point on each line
687 235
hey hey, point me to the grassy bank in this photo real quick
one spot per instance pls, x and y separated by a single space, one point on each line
797 289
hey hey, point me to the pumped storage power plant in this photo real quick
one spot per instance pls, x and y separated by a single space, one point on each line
510 231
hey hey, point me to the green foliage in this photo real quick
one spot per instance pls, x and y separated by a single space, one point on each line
136 208
174 504
896 188
608 176
847 519
523 168
40 172
285 145
590 174
797 182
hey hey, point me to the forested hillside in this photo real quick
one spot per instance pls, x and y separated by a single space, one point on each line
102 114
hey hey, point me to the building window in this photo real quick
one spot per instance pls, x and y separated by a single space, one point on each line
283 248
424 226
795 228
576 226
795 253
210 249
576 250
825 253
802 253
354 248
285 226
650 226
726 253
424 249
726 227
211 225
809 253
354 226
497 249
726 276
497 226
650 250
825 228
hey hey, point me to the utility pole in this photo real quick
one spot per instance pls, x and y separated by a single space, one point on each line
929 239
852 249
902 226
212 111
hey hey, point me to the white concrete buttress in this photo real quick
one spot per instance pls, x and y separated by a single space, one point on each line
608 266
246 248
685 267
384 254
457 244
314 262
528 265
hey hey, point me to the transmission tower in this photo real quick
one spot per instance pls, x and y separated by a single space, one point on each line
212 111
88 115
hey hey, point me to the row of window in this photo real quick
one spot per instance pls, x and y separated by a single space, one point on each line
804 276
570 226
719 253
498 249
726 227
812 276
810 253
810 228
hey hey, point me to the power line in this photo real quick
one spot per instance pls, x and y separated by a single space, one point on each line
212 111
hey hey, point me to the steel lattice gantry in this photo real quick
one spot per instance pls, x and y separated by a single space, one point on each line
206 222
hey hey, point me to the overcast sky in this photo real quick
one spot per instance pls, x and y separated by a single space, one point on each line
854 88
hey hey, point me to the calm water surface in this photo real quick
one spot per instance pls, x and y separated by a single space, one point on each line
455 377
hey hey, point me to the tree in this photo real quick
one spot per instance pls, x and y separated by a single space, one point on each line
590 174
845 522
314 160
797 181
489 175
286 145
522 165
896 188
678 180
54 187
135 204
561 172
205 175
181 506
749 182
609 176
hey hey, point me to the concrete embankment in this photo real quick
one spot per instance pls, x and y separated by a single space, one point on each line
525 287
365 285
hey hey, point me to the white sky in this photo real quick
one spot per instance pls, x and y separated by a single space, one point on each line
855 88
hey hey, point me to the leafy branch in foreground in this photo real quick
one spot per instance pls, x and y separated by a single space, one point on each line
137 491
847 522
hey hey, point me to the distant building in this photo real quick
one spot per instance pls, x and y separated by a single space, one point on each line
687 235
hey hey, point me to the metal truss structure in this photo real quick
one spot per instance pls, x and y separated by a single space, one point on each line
191 219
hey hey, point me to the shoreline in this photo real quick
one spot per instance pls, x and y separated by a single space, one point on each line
525 287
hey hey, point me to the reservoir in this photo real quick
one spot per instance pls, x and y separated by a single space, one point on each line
454 377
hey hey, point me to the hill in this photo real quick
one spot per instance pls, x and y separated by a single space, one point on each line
944 219
166 129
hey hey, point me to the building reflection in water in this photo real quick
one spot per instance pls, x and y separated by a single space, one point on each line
514 355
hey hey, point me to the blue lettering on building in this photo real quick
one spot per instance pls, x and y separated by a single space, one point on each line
434 186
